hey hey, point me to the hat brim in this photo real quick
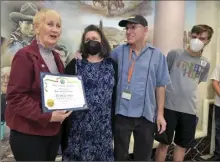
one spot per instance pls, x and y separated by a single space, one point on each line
123 23
16 17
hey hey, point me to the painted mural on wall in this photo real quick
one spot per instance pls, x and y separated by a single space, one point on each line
17 26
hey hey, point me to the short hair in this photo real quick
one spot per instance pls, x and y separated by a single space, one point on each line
106 49
199 29
41 15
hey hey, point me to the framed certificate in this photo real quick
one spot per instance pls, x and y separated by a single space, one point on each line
62 92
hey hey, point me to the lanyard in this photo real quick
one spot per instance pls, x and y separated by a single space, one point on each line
131 66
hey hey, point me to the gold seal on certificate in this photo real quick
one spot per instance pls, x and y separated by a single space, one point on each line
62 92
50 102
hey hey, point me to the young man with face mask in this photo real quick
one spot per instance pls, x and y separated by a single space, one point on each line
187 68
142 77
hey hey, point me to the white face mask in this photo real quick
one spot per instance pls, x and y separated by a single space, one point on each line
196 45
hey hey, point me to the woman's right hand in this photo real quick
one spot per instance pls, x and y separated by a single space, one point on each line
59 115
78 55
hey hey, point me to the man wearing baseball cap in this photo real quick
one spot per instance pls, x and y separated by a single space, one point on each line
142 77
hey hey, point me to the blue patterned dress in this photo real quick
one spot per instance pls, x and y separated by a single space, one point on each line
90 137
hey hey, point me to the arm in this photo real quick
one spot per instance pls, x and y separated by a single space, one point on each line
171 58
160 97
215 77
113 54
160 91
71 67
216 86
116 52
20 88
162 79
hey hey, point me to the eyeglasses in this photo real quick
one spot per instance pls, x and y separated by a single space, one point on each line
3 77
133 27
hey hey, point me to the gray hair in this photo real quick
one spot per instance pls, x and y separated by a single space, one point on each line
5 70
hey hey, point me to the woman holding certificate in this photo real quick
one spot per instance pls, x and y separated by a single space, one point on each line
90 137
35 135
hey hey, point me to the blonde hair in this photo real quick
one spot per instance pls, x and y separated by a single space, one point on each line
41 17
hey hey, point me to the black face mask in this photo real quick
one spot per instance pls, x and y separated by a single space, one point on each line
93 47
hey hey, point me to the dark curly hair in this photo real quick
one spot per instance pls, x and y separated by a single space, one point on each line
106 49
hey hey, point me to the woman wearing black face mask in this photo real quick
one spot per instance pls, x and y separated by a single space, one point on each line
88 134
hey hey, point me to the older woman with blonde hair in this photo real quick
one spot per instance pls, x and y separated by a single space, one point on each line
35 135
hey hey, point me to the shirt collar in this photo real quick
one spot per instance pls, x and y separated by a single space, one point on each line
147 45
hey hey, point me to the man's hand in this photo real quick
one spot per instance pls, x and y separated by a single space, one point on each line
161 124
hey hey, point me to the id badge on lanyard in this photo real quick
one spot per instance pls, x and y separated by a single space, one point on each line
127 94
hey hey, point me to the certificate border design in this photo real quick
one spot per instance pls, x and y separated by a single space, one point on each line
44 107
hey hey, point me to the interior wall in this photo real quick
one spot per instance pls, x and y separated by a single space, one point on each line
168 33
218 36
207 12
